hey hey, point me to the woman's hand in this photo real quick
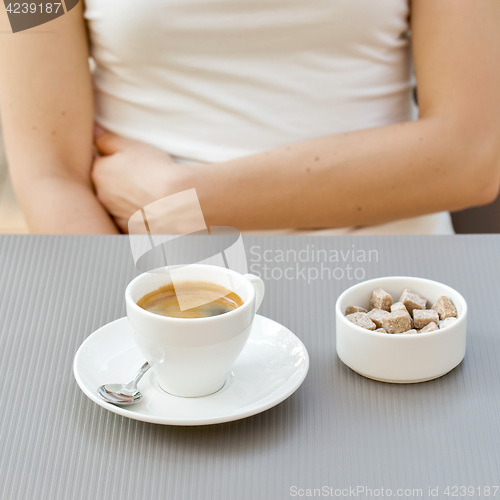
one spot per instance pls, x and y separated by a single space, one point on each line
129 175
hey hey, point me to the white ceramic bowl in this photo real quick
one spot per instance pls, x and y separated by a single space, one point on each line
400 358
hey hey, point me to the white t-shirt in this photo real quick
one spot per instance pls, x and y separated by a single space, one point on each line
213 80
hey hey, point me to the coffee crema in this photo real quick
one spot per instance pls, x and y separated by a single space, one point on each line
199 299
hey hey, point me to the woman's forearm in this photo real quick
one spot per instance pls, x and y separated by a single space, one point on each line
353 179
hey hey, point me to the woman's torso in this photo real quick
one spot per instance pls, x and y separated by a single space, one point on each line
212 80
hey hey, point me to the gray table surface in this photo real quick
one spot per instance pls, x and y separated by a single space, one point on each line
338 436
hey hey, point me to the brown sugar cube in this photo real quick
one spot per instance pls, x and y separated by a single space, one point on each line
376 316
429 327
397 322
398 306
355 309
446 322
412 300
412 331
445 308
380 330
361 319
381 300
422 318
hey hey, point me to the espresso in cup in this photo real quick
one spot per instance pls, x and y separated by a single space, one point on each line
199 300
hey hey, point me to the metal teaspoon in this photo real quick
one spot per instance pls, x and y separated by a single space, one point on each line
124 394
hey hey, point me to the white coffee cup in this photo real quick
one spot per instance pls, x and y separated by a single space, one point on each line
191 357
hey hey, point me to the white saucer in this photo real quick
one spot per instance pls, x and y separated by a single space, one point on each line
272 366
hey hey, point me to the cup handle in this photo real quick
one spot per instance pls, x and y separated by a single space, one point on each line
260 288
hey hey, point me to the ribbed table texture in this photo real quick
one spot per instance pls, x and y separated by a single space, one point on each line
339 436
